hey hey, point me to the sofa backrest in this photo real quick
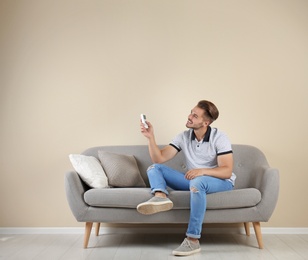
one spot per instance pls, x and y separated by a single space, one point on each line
248 161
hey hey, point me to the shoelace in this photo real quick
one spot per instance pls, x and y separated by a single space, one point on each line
186 243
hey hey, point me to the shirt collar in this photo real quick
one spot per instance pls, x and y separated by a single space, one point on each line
206 138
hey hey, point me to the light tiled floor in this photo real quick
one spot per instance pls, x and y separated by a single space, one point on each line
150 246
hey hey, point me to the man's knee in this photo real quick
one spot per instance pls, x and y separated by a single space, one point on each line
151 167
194 189
195 185
157 166
154 168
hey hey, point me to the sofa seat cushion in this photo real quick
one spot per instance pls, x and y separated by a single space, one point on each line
131 197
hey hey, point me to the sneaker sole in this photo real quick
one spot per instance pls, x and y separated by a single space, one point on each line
152 208
186 253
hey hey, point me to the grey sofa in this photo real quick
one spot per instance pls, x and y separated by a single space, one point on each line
252 200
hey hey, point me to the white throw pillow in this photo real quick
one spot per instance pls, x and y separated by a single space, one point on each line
90 170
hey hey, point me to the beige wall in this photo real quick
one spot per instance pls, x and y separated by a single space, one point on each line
76 74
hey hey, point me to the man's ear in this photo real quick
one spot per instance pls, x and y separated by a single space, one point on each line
206 122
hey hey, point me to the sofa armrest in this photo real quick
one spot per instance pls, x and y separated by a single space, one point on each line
75 189
268 184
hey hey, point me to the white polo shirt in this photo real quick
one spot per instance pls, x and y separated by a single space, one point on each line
203 154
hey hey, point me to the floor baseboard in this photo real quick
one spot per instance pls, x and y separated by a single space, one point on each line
121 230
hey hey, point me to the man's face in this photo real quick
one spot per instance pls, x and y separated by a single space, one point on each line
196 119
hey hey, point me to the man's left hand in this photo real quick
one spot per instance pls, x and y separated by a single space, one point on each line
191 174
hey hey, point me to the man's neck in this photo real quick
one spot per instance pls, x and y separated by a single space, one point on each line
200 133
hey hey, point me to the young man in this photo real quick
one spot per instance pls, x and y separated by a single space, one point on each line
209 161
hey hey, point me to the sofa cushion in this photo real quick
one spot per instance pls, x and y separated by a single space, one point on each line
131 197
90 170
121 170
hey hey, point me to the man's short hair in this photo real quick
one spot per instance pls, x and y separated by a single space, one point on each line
210 110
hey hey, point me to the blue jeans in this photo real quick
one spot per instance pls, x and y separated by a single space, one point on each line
161 176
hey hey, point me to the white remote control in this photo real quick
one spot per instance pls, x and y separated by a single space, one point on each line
143 120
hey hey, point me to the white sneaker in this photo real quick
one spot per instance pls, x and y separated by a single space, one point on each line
188 247
155 205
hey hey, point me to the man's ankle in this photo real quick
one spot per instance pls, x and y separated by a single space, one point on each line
160 194
193 239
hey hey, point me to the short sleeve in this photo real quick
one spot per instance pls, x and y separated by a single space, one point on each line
177 142
223 145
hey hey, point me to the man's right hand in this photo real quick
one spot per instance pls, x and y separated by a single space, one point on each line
147 132
157 155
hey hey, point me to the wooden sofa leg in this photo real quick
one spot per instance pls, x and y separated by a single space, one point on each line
98 224
257 228
87 234
247 229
